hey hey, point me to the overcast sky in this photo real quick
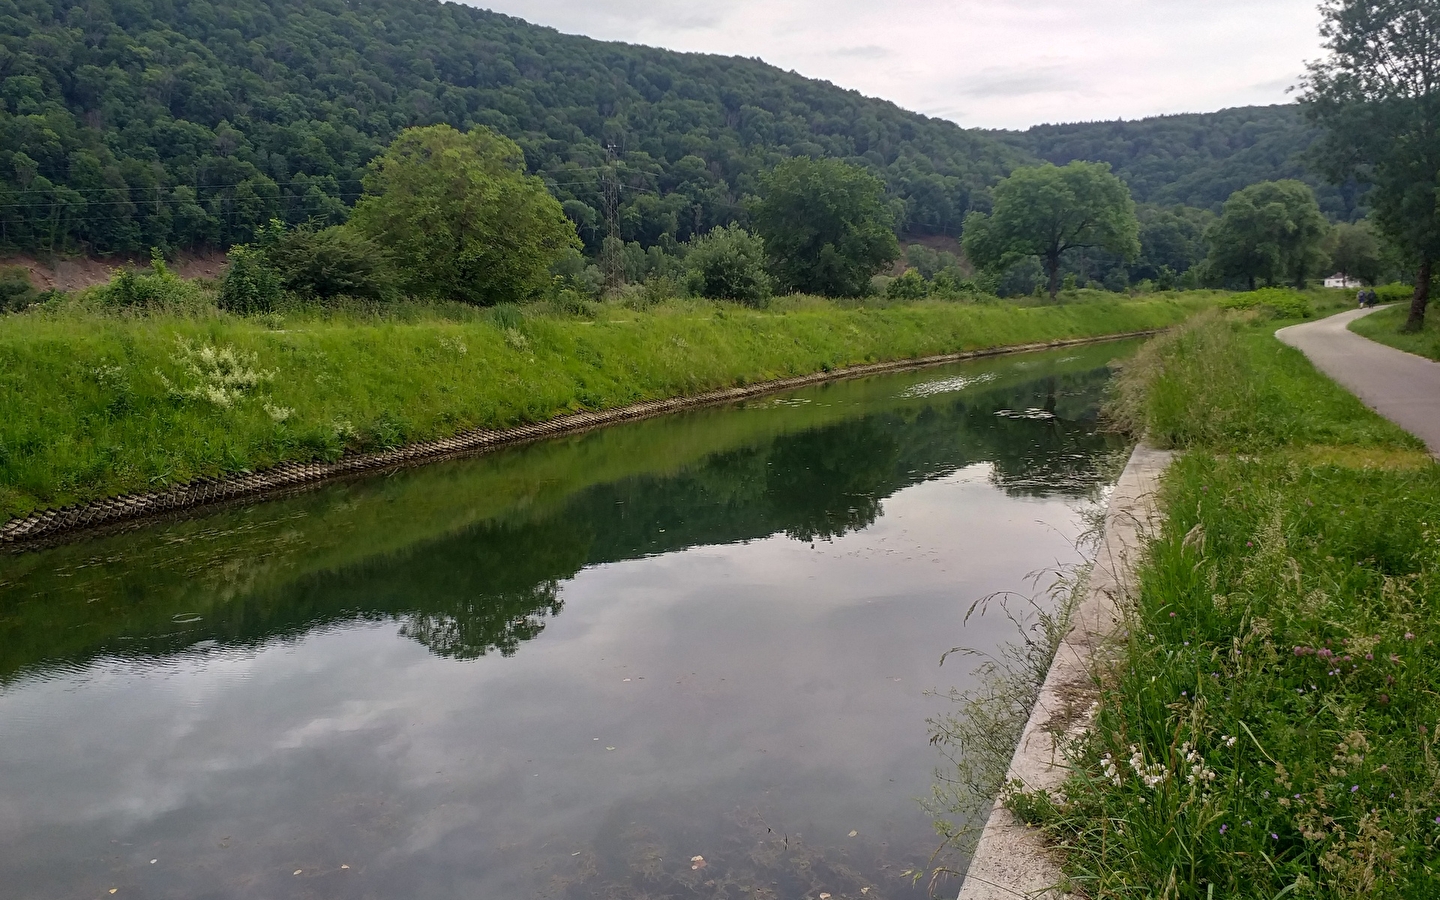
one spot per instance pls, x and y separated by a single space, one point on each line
987 63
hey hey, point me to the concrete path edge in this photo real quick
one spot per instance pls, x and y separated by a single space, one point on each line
1012 859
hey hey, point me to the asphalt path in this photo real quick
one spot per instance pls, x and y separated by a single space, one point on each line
1400 386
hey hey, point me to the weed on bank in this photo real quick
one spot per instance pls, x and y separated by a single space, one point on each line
1268 726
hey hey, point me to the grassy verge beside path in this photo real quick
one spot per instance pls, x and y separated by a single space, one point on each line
95 405
1268 726
1384 327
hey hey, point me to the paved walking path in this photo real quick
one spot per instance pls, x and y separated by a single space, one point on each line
1400 386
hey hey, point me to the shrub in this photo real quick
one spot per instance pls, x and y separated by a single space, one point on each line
16 291
157 288
728 264
909 286
462 217
332 262
1279 303
250 285
1395 293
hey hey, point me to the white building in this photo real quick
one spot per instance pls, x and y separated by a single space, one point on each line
1341 281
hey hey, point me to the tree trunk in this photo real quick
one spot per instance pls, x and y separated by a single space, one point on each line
1052 262
1252 283
1419 299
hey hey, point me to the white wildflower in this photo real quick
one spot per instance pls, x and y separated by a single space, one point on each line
1107 765
1152 775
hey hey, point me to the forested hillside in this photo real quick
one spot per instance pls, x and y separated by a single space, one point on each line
128 124
1197 159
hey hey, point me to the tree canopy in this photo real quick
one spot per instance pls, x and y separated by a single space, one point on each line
827 226
175 123
1377 95
461 218
1045 211
1198 159
1272 231
1355 252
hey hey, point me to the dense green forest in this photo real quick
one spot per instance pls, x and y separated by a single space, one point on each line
135 123
1197 159
130 124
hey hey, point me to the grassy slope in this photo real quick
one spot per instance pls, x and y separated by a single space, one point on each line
1384 326
85 411
67 601
1283 649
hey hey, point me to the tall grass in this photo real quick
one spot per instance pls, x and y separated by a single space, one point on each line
97 400
1224 383
1268 725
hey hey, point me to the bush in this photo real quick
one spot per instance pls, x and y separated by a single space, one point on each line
333 262
250 285
158 288
909 286
1279 303
1395 293
16 291
728 264
462 217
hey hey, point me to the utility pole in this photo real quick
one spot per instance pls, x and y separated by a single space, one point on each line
612 248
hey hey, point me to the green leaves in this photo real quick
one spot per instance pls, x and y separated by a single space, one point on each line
827 226
1046 210
1272 231
1377 97
728 264
462 218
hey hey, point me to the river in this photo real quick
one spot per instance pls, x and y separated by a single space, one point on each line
685 657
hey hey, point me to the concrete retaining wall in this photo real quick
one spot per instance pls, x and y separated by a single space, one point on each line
1011 859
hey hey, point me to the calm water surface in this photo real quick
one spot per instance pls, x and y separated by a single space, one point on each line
682 658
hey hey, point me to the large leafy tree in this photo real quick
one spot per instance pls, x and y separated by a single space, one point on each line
1354 251
1045 211
827 226
1271 231
461 218
1377 95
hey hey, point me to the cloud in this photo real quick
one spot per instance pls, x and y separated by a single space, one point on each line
987 63
1017 82
869 51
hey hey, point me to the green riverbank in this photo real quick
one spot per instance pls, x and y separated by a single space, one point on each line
94 405
1267 726
1384 326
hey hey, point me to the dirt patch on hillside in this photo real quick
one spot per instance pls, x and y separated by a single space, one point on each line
75 273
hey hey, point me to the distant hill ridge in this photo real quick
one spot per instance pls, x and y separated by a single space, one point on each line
1194 159
186 123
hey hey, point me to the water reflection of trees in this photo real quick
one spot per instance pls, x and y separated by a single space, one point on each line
491 587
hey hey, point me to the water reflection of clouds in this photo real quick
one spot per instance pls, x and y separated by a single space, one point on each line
751 665
777 625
